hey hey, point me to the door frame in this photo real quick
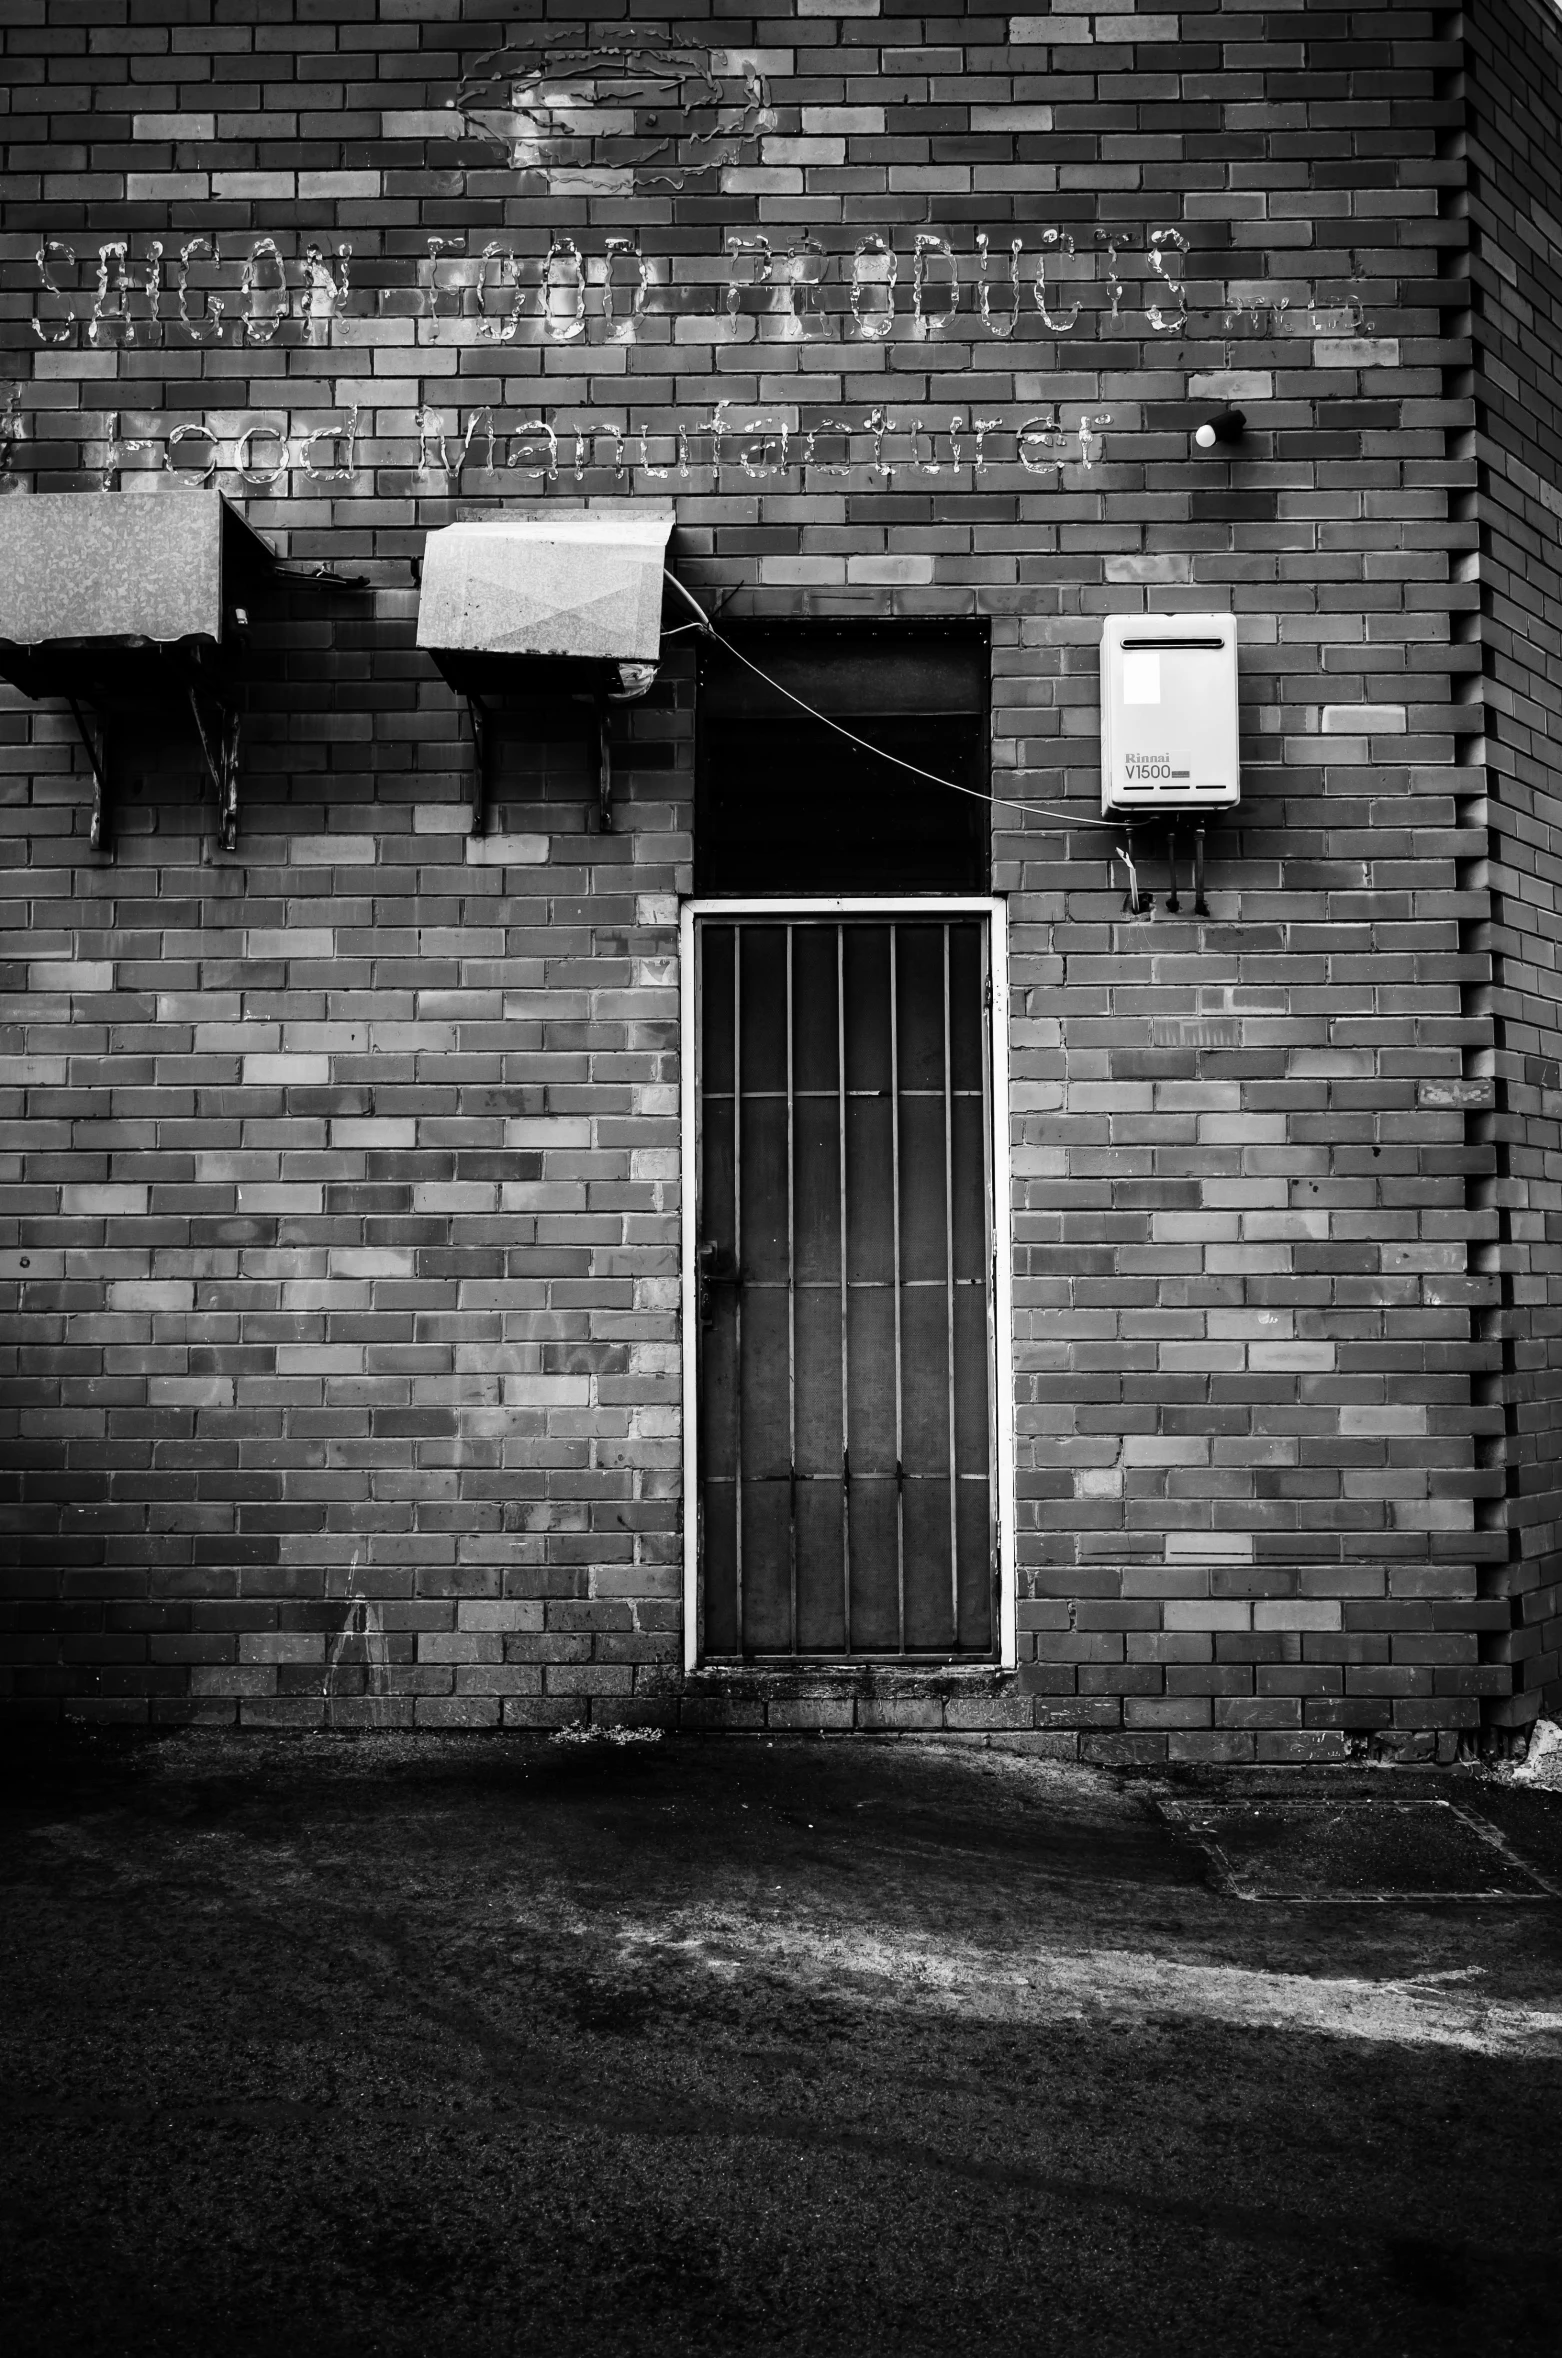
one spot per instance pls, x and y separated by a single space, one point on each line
825 905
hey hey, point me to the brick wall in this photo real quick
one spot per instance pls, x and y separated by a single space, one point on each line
340 1178
1513 123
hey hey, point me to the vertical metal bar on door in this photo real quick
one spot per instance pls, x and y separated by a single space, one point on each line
894 1166
737 1270
791 1310
949 1293
846 1461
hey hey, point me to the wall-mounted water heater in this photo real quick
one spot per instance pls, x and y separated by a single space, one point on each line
1169 714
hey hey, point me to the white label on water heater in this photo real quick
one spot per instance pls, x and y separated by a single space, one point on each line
1169 713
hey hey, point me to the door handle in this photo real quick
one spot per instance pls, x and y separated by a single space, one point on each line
705 1260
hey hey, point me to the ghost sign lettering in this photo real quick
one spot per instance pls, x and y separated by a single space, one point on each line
640 117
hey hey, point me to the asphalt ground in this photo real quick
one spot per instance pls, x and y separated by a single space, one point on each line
476 2045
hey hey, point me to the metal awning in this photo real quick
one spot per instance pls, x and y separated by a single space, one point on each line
120 603
584 584
550 604
81 567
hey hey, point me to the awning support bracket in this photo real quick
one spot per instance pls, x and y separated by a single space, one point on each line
485 751
220 752
93 731
604 771
482 757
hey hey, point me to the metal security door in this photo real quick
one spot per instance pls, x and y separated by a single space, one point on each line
846 1455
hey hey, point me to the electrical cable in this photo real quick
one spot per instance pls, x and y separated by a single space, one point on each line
1007 801
299 571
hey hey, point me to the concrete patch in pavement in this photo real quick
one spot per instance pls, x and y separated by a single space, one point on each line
1355 1853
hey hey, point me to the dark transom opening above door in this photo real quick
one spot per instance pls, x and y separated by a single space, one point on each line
785 804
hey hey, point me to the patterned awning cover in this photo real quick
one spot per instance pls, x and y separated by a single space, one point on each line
574 582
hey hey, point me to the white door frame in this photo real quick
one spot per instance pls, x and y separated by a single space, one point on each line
824 905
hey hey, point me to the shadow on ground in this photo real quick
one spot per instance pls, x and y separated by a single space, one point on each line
481 2045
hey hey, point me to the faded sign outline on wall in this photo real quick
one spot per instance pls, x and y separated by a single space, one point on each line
615 109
